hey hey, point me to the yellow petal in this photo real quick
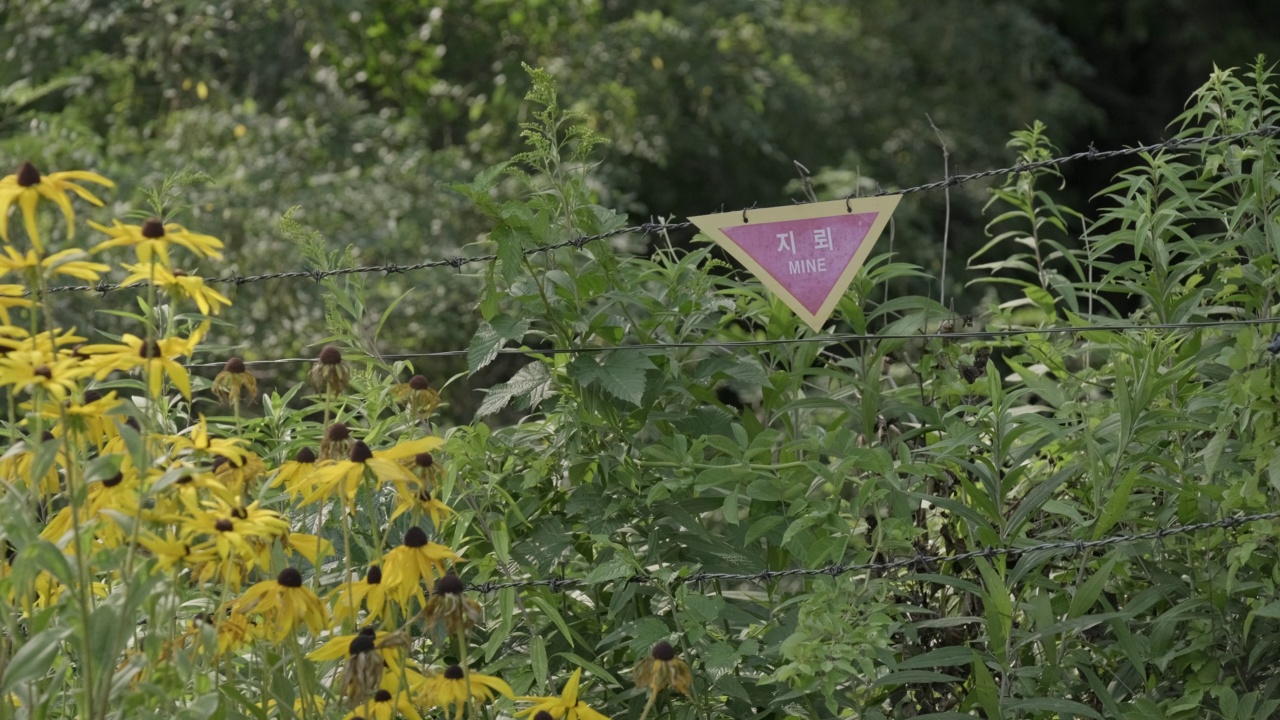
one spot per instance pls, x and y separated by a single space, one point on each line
27 201
570 693
62 201
178 375
82 175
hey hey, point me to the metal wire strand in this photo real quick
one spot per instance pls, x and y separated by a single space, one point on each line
1067 546
647 228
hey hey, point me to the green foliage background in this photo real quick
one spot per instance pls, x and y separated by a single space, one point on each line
624 462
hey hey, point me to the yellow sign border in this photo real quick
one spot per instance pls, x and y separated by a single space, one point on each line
713 227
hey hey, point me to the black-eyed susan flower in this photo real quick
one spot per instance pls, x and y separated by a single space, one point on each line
67 262
179 285
234 383
153 238
158 358
662 669
295 475
368 593
411 497
566 706
386 704
404 568
195 444
369 655
90 417
336 443
229 532
331 373
450 688
381 465
418 395
449 611
28 371
286 605
238 473
27 186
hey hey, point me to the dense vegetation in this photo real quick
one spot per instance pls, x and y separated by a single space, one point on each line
281 546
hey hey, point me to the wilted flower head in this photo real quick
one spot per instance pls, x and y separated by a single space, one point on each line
662 670
330 374
234 381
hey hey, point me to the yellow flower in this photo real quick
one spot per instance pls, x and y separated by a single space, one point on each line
418 395
565 706
345 476
662 670
286 604
59 377
27 186
406 566
66 262
385 705
451 688
412 496
153 238
179 284
364 671
233 533
370 591
295 475
158 357
311 547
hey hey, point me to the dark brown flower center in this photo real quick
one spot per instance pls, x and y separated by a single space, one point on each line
453 672
416 537
424 460
234 365
290 578
664 652
337 432
360 453
374 576
543 715
43 371
330 355
150 349
360 644
382 696
153 229
305 455
417 382
224 525
114 480
240 513
449 585
28 175
424 495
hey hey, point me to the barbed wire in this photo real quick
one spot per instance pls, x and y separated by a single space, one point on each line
843 338
1091 154
921 560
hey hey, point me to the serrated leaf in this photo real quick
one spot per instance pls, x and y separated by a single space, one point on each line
489 339
612 570
532 381
620 373
1064 708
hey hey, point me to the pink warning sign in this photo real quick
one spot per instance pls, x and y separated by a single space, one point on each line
805 256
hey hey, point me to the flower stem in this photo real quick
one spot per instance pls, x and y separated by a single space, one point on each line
653 696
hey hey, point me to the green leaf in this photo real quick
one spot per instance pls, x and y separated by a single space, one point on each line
620 373
489 339
985 691
942 657
1064 708
589 666
910 677
532 381
34 658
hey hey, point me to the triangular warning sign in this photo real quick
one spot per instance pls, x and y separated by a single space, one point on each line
805 254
